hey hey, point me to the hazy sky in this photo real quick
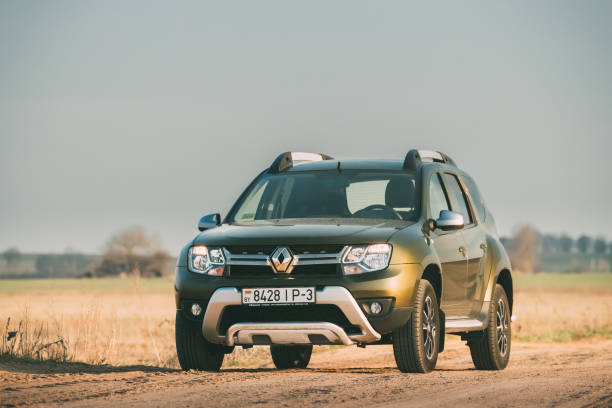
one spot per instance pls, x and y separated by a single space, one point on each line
155 113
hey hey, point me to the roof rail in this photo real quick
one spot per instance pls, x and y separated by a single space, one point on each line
415 158
286 160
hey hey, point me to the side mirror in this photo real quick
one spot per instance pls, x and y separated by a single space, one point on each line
449 221
209 221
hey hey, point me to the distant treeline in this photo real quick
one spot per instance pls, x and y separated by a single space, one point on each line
566 244
14 264
530 251
130 252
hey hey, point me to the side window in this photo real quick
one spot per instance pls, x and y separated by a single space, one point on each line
477 199
437 197
457 198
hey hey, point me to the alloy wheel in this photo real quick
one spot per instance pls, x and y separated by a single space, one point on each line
502 327
429 327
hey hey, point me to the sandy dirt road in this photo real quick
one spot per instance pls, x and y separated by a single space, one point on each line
575 374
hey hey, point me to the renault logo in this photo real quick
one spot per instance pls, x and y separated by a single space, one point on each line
282 260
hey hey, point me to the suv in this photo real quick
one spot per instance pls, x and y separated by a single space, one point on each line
321 251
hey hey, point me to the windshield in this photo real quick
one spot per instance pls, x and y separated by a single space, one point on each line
347 194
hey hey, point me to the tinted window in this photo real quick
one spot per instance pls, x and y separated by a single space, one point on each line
250 205
317 194
476 196
437 197
360 195
457 198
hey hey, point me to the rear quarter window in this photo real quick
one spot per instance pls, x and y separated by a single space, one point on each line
479 204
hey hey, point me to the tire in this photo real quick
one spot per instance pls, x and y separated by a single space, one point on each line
490 348
193 351
416 344
291 356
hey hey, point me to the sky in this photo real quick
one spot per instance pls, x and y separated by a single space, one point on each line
120 113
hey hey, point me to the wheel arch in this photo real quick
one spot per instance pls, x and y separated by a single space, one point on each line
504 278
433 275
500 269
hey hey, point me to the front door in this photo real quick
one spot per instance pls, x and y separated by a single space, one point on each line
472 242
454 301
450 249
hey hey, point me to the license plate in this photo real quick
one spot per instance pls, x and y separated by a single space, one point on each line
278 296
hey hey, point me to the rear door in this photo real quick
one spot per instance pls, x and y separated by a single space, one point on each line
476 245
447 245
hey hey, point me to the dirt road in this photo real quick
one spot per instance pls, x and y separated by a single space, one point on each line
560 374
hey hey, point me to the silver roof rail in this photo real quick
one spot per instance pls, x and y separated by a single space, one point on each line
286 160
415 158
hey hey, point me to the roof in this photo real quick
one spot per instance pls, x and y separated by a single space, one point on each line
376 164
302 161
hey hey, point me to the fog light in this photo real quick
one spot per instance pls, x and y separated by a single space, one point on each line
196 309
375 308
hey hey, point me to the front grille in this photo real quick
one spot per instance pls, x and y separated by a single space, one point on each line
251 249
277 314
295 249
302 271
254 261
316 249
250 271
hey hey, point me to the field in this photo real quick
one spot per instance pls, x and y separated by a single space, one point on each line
95 321
131 321
558 262
111 342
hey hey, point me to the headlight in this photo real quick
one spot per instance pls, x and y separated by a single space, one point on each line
366 258
207 261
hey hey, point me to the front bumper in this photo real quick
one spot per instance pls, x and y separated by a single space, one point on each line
249 333
398 281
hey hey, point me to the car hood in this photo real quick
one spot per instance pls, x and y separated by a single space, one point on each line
300 233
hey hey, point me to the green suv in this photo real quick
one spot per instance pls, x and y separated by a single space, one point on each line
321 251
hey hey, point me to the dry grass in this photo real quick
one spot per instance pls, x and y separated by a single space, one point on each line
128 322
562 316
32 343
120 327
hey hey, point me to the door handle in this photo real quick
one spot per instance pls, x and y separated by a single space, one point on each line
483 247
462 250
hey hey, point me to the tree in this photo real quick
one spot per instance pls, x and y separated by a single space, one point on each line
45 266
132 251
600 245
12 256
61 265
584 244
566 243
523 252
550 243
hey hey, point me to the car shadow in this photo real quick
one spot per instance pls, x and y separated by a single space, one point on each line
25 366
54 367
326 370
330 370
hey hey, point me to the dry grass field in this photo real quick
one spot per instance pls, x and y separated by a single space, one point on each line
131 321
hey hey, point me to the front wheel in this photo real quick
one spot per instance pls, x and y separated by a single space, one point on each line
291 356
416 344
193 350
490 348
